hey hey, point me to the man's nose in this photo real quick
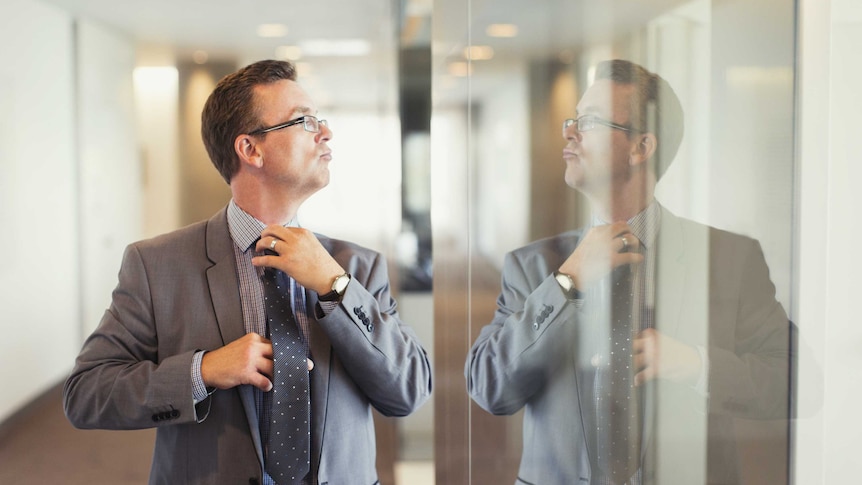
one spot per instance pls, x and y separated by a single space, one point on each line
324 134
571 133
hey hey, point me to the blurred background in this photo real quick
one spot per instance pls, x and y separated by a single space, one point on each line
447 154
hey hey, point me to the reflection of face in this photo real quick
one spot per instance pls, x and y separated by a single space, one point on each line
598 159
292 157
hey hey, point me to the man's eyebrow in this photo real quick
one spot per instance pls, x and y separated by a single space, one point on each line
303 110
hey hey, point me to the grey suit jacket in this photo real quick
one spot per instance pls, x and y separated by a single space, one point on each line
713 289
178 293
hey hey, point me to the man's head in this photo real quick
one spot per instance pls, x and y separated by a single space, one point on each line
232 109
628 129
655 108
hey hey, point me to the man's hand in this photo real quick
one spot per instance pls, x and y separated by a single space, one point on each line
247 360
599 252
660 356
300 255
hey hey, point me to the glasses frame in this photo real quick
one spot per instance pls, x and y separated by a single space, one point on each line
310 124
596 121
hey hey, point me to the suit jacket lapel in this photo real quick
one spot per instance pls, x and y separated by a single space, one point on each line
321 354
224 292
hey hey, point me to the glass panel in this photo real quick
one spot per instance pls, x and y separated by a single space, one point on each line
707 244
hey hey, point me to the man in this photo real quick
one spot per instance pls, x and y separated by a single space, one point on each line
185 345
631 344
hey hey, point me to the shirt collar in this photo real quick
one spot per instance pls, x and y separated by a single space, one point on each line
244 228
644 224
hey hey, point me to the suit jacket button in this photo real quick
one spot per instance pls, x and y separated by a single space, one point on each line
541 319
156 418
175 413
357 310
370 327
535 325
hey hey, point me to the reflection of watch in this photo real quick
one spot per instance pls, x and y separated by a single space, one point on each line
568 285
339 284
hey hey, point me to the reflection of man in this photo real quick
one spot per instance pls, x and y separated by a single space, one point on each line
637 385
188 342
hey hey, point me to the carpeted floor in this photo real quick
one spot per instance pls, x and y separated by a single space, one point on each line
39 446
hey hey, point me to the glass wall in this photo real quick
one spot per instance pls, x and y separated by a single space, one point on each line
712 276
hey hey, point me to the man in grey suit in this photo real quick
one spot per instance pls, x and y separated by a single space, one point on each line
184 346
643 390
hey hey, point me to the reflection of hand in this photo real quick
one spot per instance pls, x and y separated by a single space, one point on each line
300 255
659 356
247 360
599 252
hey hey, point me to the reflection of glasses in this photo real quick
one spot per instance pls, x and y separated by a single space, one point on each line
310 123
588 122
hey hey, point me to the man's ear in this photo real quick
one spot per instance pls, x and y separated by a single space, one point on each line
644 148
248 150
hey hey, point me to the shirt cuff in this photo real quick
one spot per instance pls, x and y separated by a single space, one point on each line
702 385
327 307
199 389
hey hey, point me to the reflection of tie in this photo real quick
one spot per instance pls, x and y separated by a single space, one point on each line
287 438
617 403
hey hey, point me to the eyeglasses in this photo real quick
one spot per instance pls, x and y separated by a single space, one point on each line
309 123
588 122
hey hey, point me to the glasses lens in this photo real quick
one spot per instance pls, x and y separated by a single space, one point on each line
310 124
586 123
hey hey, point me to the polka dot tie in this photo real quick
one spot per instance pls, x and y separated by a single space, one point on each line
617 400
287 441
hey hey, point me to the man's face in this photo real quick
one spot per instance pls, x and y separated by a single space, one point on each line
597 160
292 157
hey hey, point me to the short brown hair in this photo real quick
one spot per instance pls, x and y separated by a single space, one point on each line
656 108
230 111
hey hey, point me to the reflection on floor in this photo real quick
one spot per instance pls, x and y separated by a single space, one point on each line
39 446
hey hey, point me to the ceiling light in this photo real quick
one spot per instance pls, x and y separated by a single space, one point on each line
200 57
478 52
289 52
502 30
271 30
335 48
460 69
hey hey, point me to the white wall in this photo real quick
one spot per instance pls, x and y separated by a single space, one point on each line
69 185
827 443
109 167
39 310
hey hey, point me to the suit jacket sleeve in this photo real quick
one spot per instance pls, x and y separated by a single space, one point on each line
381 354
532 333
119 380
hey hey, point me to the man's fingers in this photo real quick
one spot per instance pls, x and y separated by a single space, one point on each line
310 364
261 382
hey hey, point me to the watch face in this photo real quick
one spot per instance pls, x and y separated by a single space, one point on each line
340 283
565 281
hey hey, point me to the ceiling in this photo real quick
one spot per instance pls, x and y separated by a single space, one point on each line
227 30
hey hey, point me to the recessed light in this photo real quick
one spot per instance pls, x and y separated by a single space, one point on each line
335 47
289 52
271 30
460 69
478 52
502 30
